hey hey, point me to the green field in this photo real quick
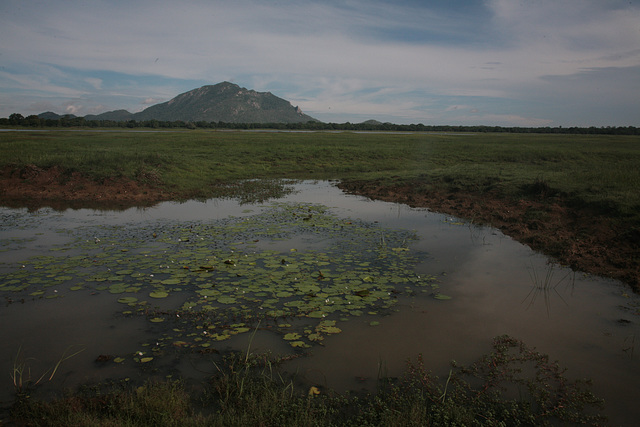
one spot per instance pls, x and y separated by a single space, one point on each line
597 170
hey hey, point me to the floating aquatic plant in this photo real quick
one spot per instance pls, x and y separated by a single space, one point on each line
223 276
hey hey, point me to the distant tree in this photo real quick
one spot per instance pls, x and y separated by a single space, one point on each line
32 120
16 119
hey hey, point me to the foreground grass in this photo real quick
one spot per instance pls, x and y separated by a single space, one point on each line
602 171
248 391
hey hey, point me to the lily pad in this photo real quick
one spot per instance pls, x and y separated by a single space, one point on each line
225 271
172 282
317 314
292 336
158 294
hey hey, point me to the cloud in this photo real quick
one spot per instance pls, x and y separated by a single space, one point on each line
458 107
94 82
394 59
72 109
151 101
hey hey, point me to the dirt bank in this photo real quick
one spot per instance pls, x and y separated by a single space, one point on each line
33 187
581 238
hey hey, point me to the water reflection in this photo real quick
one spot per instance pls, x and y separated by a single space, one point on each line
497 287
545 286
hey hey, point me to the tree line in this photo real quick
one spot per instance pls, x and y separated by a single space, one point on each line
68 121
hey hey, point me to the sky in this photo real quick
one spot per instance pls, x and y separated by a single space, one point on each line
449 62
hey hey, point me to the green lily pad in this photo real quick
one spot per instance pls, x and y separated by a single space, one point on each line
224 272
158 294
317 314
220 337
172 282
292 336
117 288
124 272
315 336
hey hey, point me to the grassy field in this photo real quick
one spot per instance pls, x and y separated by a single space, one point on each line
600 171
597 170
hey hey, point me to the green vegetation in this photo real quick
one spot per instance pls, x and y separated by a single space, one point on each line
228 277
601 171
124 119
597 171
513 385
23 379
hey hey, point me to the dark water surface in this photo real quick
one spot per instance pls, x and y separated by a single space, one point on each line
496 287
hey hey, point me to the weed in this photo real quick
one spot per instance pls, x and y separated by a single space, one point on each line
512 385
22 377
545 286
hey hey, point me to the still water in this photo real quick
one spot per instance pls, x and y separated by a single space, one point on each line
497 286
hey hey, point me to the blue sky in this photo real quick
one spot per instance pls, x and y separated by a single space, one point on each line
493 62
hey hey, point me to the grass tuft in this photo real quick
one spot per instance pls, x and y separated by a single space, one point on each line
512 385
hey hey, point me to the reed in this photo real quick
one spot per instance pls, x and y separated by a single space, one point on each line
248 390
23 379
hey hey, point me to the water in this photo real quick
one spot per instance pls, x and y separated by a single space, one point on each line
497 286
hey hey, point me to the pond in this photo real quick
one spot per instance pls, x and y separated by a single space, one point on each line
354 286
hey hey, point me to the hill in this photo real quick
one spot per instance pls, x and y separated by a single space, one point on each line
50 115
223 102
116 116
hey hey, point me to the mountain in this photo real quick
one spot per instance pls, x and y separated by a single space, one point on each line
50 115
223 102
116 116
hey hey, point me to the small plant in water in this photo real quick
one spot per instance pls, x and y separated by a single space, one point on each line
22 377
512 385
544 285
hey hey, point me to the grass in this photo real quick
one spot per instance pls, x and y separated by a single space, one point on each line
545 286
598 171
23 380
512 385
602 171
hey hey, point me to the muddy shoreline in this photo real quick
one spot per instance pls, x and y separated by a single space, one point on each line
580 238
577 237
